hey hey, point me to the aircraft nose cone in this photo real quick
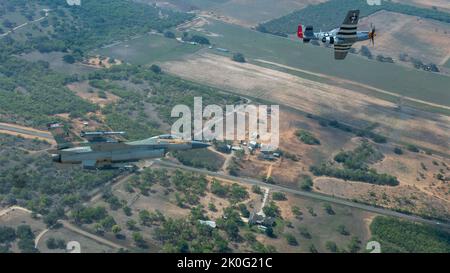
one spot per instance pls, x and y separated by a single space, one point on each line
56 158
199 145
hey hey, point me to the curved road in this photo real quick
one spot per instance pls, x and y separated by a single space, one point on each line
311 195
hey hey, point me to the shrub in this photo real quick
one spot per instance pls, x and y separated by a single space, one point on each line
239 57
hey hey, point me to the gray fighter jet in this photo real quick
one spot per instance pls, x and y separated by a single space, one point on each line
101 151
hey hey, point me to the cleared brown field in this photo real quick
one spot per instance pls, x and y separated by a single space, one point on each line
406 198
419 190
427 40
82 90
410 125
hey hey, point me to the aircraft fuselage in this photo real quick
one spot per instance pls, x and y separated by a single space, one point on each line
332 39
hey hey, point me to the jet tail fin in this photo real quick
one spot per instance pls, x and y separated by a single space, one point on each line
61 135
300 32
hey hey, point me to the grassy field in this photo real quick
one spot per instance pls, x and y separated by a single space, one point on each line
55 59
201 159
393 78
256 11
442 5
447 64
249 12
401 236
147 49
330 14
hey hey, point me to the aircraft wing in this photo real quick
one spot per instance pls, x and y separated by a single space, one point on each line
61 135
347 35
340 51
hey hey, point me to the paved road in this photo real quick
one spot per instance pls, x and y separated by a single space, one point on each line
20 130
311 195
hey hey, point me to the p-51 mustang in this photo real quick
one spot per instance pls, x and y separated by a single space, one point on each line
100 151
342 38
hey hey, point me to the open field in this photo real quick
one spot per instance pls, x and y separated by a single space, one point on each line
394 79
407 125
429 195
427 40
15 217
440 4
55 59
322 226
244 12
87 92
447 64
253 12
398 79
147 49
419 190
163 199
87 245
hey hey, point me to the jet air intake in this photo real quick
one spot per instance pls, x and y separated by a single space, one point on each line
56 158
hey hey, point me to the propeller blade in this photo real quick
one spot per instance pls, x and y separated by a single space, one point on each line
372 33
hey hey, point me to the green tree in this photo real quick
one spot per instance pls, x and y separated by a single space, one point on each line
354 245
343 230
313 249
279 196
269 232
331 246
306 183
139 240
156 69
7 235
131 224
70 59
291 240
144 217
328 209
304 232
239 57
307 138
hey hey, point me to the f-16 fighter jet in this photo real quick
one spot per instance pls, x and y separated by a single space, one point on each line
101 151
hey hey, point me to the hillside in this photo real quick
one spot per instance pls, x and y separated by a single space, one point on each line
423 39
330 14
80 27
